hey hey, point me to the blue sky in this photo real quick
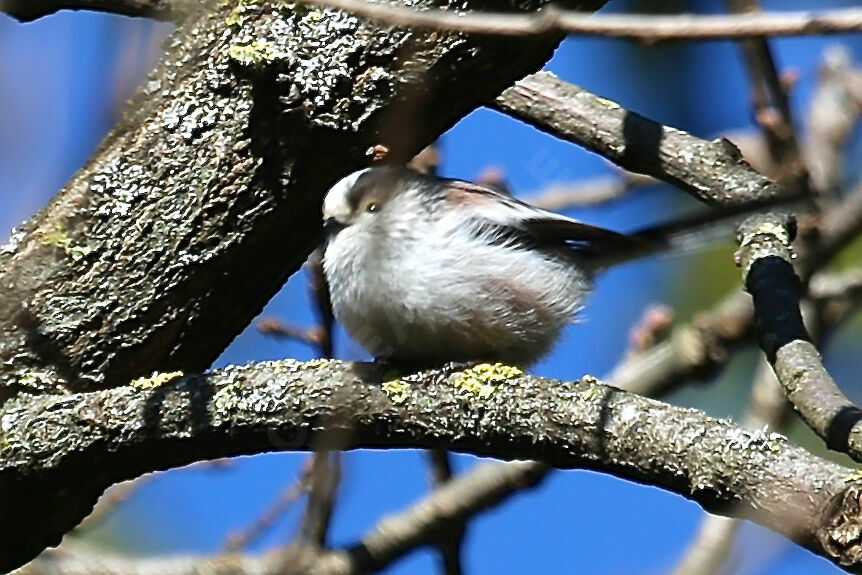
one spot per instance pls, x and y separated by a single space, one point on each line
63 80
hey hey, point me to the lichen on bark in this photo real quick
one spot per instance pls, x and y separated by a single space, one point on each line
206 195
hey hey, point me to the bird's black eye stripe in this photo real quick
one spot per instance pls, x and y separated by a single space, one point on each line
377 185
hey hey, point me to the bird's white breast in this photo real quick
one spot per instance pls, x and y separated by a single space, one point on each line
430 291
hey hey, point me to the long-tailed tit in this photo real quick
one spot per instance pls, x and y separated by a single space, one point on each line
424 270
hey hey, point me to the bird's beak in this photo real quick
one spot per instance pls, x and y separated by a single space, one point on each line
332 226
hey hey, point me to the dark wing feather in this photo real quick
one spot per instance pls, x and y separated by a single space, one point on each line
513 220
558 229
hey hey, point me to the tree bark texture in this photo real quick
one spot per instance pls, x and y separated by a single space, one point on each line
60 452
712 171
200 203
207 194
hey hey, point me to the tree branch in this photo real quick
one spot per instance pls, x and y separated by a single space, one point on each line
771 104
714 171
765 257
50 442
695 349
832 117
450 541
552 20
473 492
207 196
240 539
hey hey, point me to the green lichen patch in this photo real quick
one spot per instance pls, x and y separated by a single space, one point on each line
240 8
257 52
58 237
481 380
157 379
854 477
229 398
398 390
36 379
314 363
594 389
300 9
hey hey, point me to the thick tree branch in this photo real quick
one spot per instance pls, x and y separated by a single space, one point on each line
767 408
50 442
27 10
552 20
207 196
711 171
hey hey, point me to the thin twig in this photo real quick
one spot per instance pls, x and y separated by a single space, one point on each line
113 498
710 548
551 21
312 336
319 290
325 479
836 291
771 105
322 472
449 541
264 522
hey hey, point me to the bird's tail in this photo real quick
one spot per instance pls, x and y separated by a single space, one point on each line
686 234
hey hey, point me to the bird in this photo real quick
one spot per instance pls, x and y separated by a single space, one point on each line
425 271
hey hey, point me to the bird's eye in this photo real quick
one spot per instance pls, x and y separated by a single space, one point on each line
371 206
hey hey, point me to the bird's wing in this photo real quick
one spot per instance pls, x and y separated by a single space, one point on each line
490 207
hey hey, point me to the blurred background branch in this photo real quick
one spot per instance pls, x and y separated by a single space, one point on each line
552 20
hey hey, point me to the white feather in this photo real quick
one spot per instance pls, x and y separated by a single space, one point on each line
425 288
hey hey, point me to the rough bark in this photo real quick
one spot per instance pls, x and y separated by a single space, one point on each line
206 197
714 171
60 452
766 259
